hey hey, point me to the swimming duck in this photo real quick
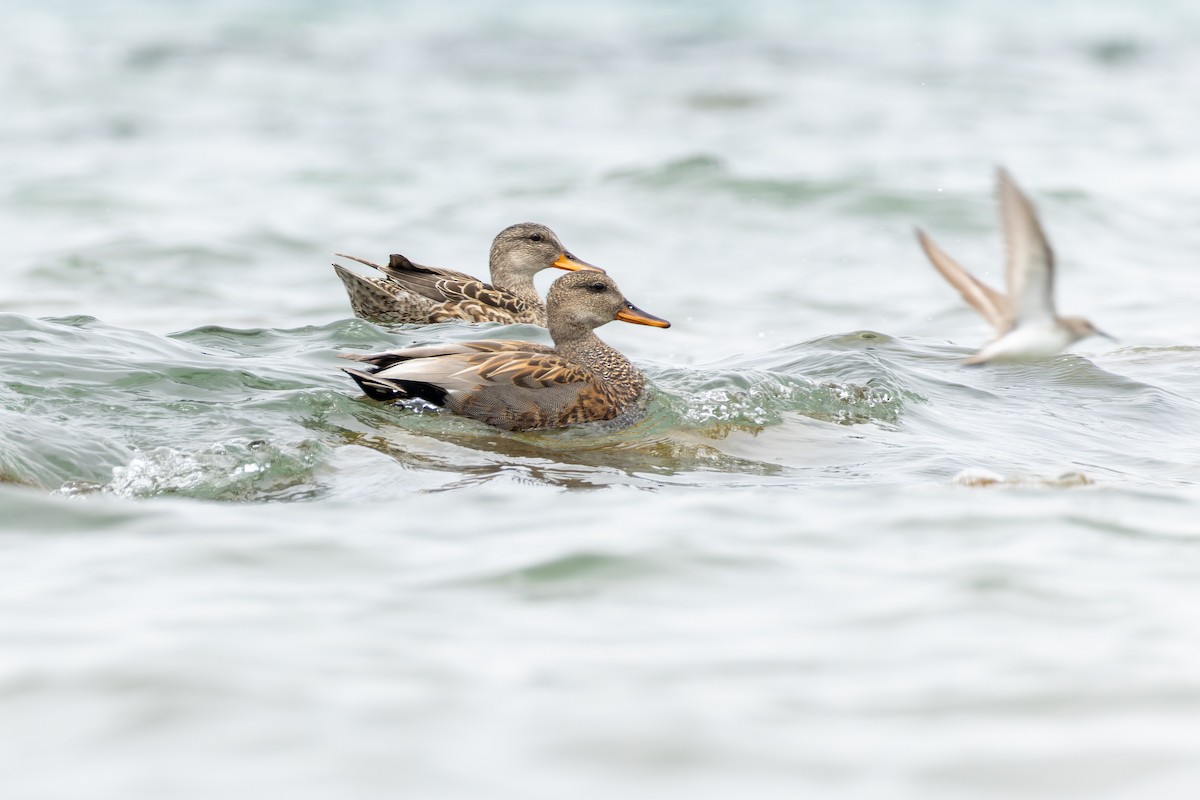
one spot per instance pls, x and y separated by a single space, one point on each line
518 385
410 292
1027 324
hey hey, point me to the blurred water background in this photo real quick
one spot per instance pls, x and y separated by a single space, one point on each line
831 562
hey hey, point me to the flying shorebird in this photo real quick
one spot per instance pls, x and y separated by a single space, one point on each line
1027 325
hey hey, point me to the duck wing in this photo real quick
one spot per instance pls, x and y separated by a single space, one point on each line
509 387
399 265
456 294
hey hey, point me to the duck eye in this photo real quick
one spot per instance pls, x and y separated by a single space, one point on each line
536 237
597 287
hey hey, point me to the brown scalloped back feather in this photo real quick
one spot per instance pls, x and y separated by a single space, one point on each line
413 293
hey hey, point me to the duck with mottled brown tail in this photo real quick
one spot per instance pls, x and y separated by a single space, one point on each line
413 293
519 385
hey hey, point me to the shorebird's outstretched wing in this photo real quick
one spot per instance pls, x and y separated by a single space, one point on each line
994 306
1030 267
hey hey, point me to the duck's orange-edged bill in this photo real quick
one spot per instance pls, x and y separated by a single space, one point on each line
631 313
568 261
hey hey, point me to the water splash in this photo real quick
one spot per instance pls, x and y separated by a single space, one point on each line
236 469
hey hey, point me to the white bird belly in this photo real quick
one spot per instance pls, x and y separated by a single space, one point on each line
1026 343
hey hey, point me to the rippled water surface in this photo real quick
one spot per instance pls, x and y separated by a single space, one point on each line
829 562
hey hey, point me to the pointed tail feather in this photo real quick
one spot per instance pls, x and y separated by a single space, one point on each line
378 360
350 278
375 388
384 389
359 260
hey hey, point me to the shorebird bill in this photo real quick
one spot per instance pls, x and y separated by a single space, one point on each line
631 313
570 262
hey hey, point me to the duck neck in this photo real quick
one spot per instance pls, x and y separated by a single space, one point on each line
588 350
511 278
